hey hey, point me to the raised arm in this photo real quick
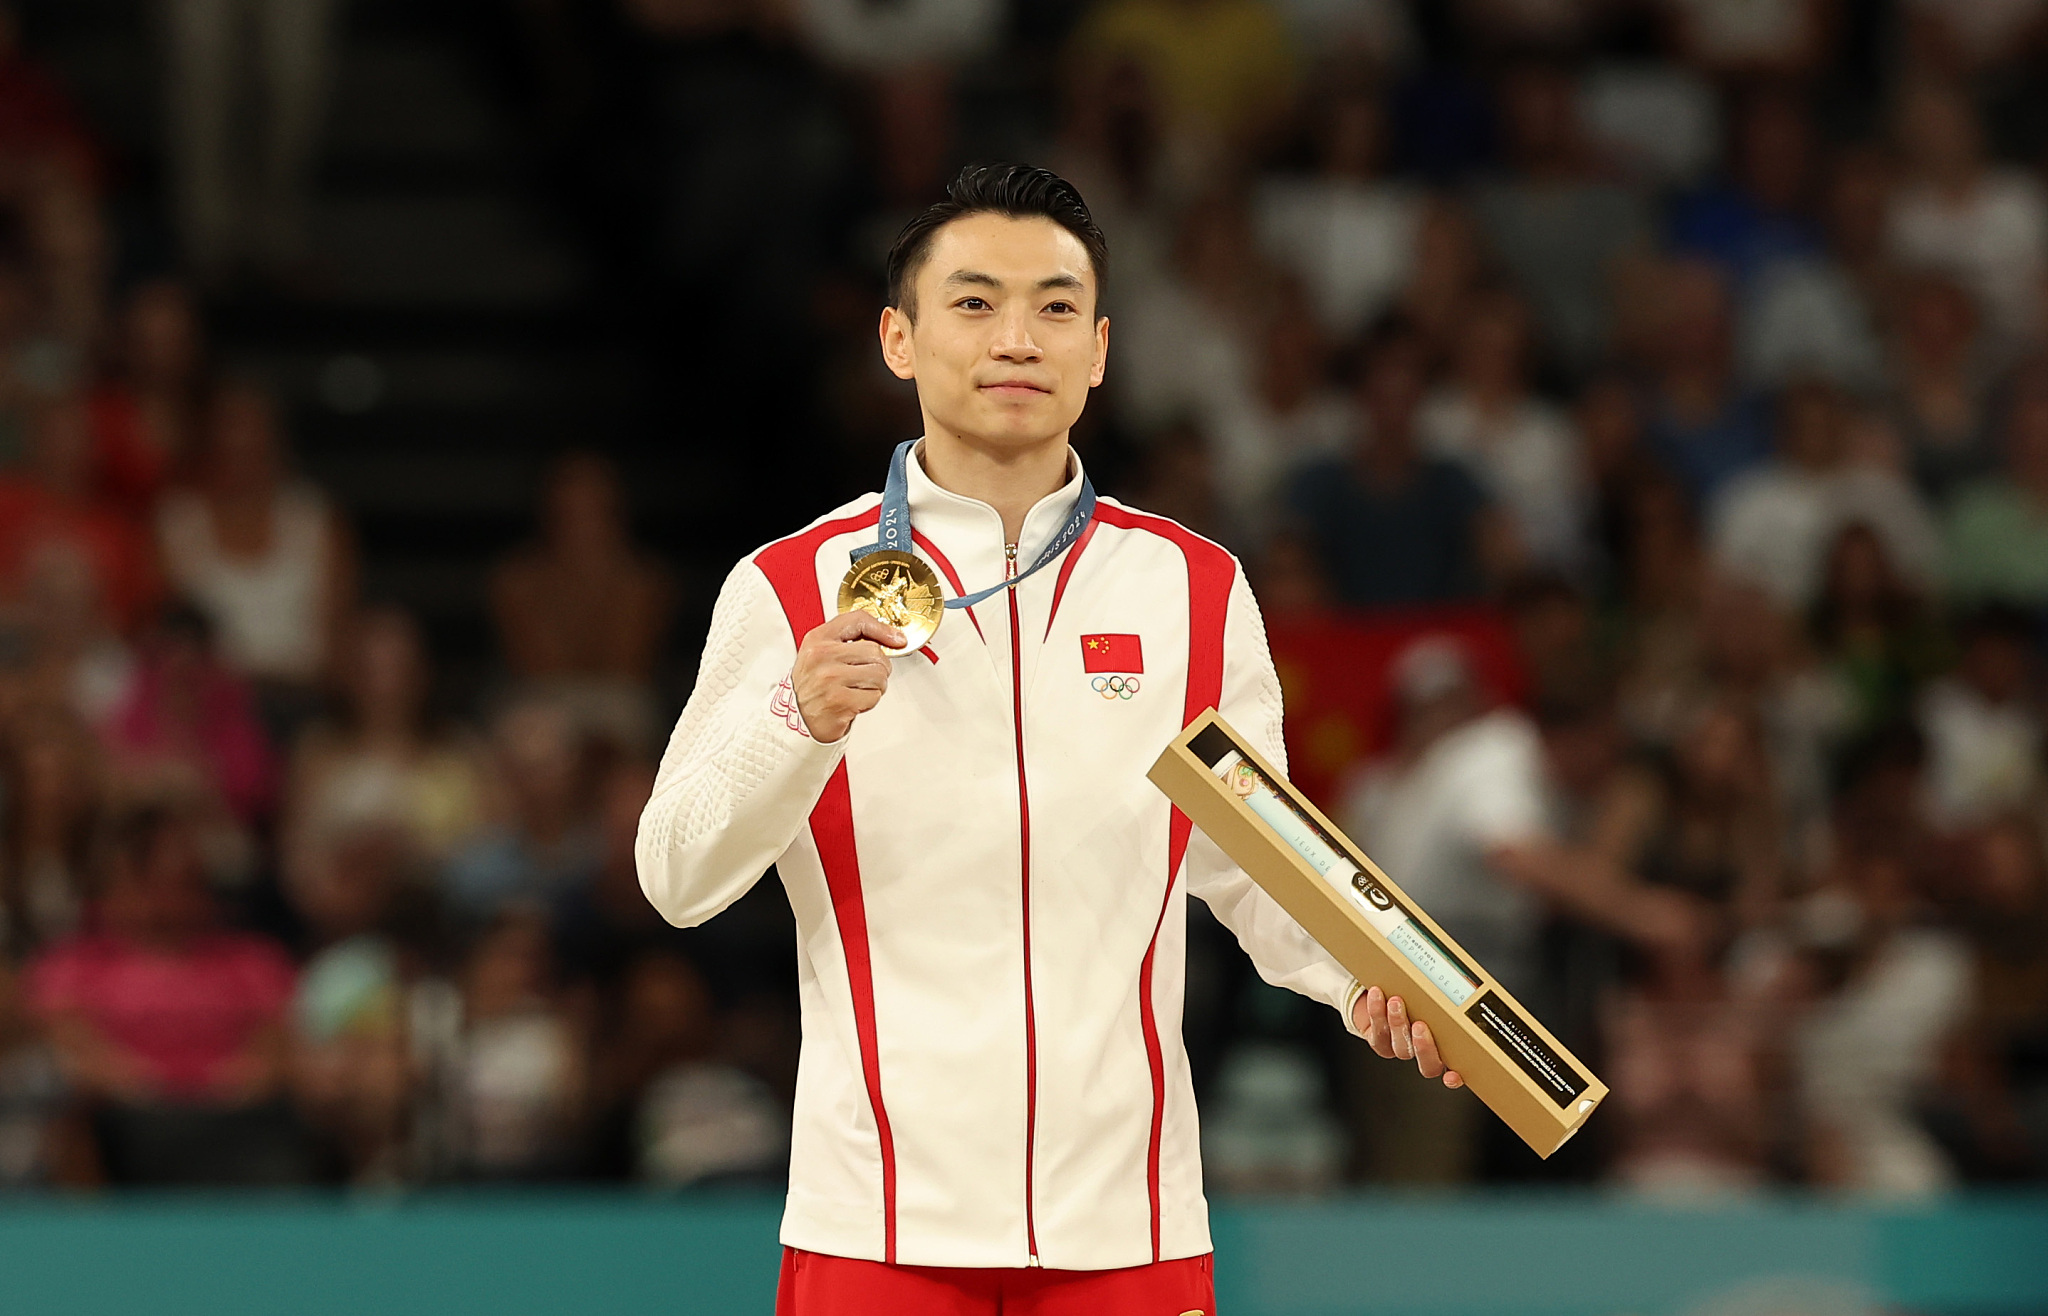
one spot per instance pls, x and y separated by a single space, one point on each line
741 772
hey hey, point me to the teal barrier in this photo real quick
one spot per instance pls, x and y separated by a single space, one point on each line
1456 1256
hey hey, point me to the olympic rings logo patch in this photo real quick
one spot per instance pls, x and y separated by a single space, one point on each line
1114 687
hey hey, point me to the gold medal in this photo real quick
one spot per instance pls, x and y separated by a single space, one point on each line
900 589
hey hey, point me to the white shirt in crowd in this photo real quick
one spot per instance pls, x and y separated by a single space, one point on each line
267 611
1983 30
1351 243
1862 1057
882 38
1431 825
1995 241
1807 317
1981 757
1774 526
1529 461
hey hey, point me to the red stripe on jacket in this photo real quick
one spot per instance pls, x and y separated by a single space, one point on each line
1211 573
791 566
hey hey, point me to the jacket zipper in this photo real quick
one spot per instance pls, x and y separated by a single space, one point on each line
1024 835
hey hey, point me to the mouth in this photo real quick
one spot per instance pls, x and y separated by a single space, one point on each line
1014 390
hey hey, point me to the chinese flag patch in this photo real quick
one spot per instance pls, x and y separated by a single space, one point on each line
1112 653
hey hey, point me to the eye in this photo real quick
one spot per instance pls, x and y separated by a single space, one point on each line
972 304
1061 308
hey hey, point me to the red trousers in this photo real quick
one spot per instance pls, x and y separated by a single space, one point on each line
817 1285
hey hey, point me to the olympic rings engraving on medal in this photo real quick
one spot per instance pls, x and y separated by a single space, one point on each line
1114 687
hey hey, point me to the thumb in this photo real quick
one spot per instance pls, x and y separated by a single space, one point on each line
858 624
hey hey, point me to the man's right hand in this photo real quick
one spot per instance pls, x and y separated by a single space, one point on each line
842 668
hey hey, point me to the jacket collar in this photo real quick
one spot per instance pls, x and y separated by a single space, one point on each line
969 532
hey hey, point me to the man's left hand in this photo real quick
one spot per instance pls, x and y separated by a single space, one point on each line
1385 1023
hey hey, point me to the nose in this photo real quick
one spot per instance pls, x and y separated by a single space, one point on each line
1013 341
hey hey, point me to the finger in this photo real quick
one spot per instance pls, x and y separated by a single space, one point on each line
1426 1058
1376 1023
857 624
1397 1025
871 663
1453 1079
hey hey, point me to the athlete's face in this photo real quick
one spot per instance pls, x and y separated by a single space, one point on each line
1006 343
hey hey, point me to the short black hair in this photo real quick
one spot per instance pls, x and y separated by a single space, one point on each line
1018 191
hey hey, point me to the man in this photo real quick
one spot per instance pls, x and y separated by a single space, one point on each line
993 1106
1464 812
1393 524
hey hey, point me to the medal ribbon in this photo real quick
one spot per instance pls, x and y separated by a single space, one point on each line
894 529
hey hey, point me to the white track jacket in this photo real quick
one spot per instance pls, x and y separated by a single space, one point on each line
989 894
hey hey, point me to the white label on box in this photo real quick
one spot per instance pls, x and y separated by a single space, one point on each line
1368 896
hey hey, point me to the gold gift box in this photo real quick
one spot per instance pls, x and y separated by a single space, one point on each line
1363 919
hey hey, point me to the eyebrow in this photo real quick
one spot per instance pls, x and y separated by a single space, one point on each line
975 278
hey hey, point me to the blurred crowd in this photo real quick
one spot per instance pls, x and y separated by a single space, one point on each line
1703 345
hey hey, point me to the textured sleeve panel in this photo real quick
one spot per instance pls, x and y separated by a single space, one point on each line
1284 955
740 775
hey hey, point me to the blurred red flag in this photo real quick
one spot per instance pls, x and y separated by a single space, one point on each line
1333 674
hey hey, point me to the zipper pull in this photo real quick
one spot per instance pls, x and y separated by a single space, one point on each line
1009 560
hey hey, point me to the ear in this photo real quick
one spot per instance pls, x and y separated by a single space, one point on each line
1101 351
899 350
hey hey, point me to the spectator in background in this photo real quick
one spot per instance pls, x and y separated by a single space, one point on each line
1982 724
230 65
1617 467
1224 72
1887 989
906 54
262 555
174 1028
603 925
1391 525
1189 346
1763 38
1270 1130
145 411
509 1074
76 658
1557 226
1997 529
1701 425
1817 315
1555 26
1449 268
52 772
1955 212
49 507
544 842
33 1098
1112 146
2002 1077
1761 215
1462 810
1874 628
40 124
1347 232
1522 451
1774 526
676 1113
582 614
187 729
1940 383
383 760
1962 38
1178 479
352 1071
1292 414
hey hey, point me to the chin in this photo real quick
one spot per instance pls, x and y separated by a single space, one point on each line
1023 426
